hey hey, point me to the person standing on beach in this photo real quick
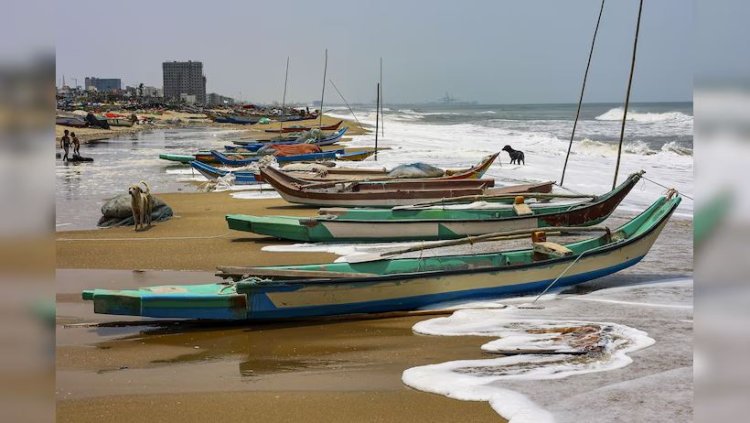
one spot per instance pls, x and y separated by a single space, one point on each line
65 144
76 145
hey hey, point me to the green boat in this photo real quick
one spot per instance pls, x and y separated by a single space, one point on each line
432 222
381 285
182 158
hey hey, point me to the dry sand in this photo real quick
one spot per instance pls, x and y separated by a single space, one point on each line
197 238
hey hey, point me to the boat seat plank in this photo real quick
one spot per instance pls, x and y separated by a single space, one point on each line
551 249
522 209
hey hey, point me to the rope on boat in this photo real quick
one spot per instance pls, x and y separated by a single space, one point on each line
558 278
143 239
666 187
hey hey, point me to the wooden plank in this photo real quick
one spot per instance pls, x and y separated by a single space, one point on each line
228 271
522 209
552 249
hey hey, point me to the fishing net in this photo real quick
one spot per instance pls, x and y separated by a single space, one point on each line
416 170
117 212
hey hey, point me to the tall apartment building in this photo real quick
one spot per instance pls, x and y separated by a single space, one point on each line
103 84
184 78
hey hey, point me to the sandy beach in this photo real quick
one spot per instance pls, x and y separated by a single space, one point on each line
117 368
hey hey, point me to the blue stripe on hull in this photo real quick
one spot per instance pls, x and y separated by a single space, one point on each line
261 308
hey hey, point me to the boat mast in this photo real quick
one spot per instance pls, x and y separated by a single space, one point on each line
322 95
382 126
377 107
283 100
583 89
627 95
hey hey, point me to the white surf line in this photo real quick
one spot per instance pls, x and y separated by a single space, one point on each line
602 300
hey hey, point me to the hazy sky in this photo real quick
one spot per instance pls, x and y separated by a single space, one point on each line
522 51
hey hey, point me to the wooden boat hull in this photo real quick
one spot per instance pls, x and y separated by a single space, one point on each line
355 157
383 194
237 120
393 285
359 174
227 161
333 127
74 122
212 174
368 225
119 122
181 158
256 145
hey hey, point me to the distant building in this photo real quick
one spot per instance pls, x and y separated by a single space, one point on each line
184 78
219 100
103 84
188 98
152 92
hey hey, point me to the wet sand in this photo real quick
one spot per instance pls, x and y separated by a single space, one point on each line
316 371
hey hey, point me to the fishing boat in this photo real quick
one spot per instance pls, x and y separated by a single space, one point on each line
355 156
383 285
237 120
384 193
320 173
229 161
181 158
286 130
73 121
254 145
431 222
242 177
120 122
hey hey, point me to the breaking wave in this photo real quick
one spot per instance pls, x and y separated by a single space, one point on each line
588 146
617 112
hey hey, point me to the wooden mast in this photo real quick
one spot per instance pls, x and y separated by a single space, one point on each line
627 95
283 100
322 95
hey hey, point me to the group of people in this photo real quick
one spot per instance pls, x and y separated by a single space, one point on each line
67 139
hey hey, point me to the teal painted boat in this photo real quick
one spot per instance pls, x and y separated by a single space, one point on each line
430 223
303 291
182 158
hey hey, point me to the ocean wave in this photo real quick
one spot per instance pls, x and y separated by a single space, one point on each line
616 114
674 147
636 147
487 112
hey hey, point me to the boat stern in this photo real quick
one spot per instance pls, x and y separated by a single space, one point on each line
283 227
213 301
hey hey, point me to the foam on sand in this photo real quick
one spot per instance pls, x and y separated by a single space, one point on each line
584 347
550 348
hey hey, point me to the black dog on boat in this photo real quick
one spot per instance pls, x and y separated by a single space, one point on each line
516 156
